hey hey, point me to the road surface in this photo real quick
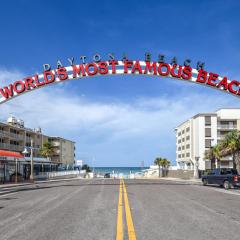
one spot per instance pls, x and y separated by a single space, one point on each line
102 209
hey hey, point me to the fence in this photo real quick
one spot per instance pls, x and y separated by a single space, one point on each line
51 175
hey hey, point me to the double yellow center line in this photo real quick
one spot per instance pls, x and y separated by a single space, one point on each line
130 226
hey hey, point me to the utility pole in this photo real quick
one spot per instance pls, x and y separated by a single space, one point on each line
16 171
32 166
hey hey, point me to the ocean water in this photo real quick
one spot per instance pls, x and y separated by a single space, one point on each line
124 171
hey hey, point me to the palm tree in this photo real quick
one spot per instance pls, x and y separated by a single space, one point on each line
165 164
158 161
86 167
213 154
47 150
231 146
161 162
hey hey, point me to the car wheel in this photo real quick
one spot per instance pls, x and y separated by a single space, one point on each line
226 185
204 182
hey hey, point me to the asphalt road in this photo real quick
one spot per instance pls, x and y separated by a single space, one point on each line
88 209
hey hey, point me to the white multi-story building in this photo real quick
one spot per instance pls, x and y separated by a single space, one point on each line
201 132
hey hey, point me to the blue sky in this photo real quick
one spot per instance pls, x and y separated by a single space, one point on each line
120 120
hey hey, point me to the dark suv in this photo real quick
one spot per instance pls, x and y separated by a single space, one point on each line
226 177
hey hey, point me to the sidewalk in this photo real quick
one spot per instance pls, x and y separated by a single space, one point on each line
187 181
11 187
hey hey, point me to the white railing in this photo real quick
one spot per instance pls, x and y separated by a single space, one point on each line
227 126
62 173
16 147
16 136
4 145
4 133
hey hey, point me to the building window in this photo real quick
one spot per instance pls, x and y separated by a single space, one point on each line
207 132
187 146
188 137
179 141
179 148
179 155
182 131
207 143
183 155
188 155
187 129
183 147
183 139
207 120
179 133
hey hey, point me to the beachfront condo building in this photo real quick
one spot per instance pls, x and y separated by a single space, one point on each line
14 136
200 133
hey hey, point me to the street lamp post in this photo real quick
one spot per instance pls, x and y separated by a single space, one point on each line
31 157
93 160
16 171
211 146
31 175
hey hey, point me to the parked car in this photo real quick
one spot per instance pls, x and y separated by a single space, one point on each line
107 175
226 177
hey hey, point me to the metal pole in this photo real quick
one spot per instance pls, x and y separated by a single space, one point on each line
31 175
5 173
16 169
93 160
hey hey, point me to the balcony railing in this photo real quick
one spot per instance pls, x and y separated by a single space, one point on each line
17 136
4 145
227 126
56 144
221 136
4 133
16 147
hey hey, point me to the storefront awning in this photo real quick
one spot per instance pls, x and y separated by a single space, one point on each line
4 153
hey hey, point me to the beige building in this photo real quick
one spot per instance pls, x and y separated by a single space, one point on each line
201 132
14 136
64 150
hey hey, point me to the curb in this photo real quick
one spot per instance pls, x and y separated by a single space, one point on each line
3 186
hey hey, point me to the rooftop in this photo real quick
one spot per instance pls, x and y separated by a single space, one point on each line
206 114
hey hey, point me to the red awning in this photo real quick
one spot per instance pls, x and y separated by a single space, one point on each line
4 153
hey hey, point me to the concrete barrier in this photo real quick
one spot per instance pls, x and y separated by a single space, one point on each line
183 174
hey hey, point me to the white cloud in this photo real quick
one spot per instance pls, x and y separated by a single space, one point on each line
7 76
